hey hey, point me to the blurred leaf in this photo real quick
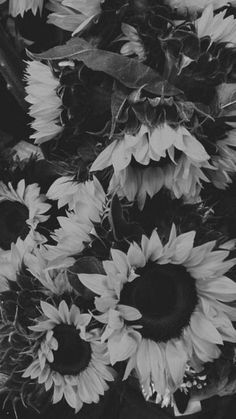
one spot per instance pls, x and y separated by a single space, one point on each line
121 228
127 71
118 99
88 265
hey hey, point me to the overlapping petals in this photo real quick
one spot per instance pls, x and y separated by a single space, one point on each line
86 202
72 15
45 104
90 382
17 7
163 363
219 27
182 175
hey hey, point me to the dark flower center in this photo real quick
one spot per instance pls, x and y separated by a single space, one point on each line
73 354
166 297
13 216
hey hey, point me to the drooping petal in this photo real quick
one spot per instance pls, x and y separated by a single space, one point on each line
177 358
104 159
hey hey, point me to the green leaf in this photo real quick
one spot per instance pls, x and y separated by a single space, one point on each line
127 71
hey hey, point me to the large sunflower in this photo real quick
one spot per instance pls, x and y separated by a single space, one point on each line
71 361
164 307
142 161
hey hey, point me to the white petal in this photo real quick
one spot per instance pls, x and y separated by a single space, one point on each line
57 394
120 261
154 247
104 159
194 149
43 326
184 245
177 358
64 312
115 320
224 289
70 396
50 311
157 365
95 282
129 313
203 328
143 360
122 346
135 256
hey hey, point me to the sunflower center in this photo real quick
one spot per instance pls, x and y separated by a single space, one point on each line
73 354
166 297
13 216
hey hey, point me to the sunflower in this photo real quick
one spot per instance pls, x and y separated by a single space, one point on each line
225 161
21 209
17 7
67 191
69 360
182 179
138 162
134 45
85 201
193 7
71 15
219 27
11 261
164 307
45 104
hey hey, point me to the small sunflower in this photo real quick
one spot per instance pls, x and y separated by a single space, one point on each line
219 27
165 307
193 7
19 7
134 45
71 15
141 161
67 191
225 161
21 209
45 104
85 202
11 261
70 361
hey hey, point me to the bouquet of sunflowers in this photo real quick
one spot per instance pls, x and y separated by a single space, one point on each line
118 211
